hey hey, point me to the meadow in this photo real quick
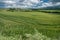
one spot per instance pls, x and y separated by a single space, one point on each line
29 25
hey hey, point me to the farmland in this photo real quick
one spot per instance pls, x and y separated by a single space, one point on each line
14 24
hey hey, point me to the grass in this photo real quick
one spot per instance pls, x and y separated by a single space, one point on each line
14 24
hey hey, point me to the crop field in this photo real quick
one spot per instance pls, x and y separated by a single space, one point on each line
29 26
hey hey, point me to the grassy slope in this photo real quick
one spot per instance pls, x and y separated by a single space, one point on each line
19 23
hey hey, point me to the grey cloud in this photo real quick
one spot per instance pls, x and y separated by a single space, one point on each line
54 0
31 3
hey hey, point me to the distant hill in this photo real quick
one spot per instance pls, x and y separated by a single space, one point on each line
52 8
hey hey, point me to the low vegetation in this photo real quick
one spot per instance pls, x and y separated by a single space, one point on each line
18 25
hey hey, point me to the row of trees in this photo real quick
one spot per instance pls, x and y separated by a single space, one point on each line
19 9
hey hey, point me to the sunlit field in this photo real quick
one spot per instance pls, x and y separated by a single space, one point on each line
29 25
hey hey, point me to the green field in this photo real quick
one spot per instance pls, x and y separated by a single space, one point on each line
19 25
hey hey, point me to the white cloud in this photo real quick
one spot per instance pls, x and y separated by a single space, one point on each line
28 3
35 1
47 4
58 3
9 2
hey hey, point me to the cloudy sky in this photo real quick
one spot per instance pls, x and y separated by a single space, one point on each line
28 3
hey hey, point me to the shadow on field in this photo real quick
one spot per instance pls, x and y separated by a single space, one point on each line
50 12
